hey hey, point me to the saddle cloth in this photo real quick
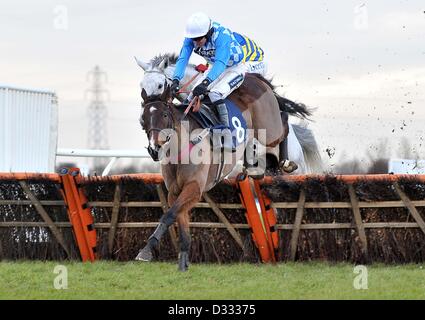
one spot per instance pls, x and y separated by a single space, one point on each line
208 118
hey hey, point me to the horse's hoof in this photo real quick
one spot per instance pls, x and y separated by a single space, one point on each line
183 261
145 255
288 166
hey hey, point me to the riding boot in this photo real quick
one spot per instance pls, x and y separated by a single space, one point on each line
224 120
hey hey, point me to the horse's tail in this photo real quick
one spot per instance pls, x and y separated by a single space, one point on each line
299 110
310 148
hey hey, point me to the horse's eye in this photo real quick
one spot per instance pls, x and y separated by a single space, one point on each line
165 115
160 86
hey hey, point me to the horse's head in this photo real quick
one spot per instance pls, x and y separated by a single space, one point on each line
155 76
157 120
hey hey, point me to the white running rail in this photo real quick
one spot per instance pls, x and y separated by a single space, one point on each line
114 154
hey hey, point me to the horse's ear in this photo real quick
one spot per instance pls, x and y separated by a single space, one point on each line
143 65
163 65
166 95
144 95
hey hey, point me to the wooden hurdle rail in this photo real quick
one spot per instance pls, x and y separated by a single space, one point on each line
84 227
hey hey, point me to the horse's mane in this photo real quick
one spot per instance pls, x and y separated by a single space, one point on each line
172 59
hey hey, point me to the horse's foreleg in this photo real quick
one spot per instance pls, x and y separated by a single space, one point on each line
166 220
184 237
189 196
187 199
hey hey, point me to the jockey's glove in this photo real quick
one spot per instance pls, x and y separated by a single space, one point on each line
175 86
202 88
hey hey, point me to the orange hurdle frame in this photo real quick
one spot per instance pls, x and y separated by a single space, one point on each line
258 221
269 217
79 214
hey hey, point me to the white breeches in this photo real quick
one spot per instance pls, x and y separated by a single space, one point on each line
231 79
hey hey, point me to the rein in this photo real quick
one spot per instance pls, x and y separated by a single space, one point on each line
196 103
184 87
201 68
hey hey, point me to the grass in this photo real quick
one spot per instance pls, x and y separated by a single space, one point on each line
132 280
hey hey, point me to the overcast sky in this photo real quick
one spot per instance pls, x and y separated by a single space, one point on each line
361 63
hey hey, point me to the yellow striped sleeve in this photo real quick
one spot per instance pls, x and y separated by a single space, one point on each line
261 55
249 49
244 52
255 49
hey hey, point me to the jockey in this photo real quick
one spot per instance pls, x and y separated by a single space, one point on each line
231 54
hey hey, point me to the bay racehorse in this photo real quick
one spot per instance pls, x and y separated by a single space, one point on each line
185 181
267 109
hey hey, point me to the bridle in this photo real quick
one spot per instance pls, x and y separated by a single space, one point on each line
156 71
170 124
154 153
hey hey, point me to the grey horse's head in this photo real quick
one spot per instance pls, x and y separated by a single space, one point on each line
157 73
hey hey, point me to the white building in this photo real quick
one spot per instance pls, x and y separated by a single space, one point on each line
28 130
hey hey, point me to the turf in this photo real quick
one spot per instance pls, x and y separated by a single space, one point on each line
115 280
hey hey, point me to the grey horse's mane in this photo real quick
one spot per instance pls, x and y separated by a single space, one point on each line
172 59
